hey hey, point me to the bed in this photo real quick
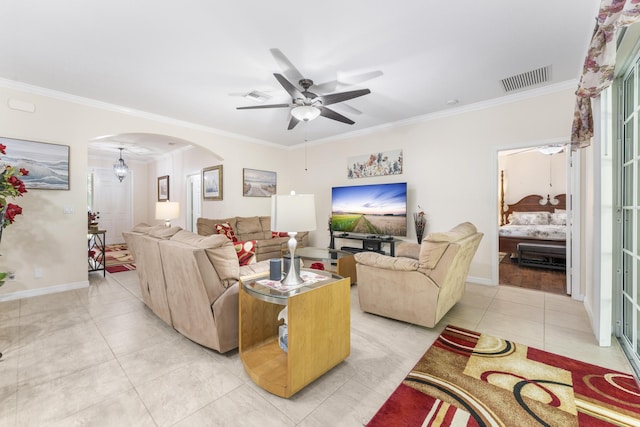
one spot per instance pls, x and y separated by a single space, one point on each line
533 219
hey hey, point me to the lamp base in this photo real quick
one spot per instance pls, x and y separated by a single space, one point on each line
292 277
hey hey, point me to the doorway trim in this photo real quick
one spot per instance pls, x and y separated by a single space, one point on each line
572 201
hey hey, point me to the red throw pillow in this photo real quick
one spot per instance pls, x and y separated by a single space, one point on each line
275 234
226 229
246 252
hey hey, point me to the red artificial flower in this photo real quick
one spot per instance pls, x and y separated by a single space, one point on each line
23 171
17 184
12 211
2 148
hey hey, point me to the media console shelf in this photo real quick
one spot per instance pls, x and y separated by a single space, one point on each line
372 243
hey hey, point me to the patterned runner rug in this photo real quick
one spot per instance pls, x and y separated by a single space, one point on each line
471 379
118 258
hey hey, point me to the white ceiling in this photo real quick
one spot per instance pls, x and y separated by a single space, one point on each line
191 60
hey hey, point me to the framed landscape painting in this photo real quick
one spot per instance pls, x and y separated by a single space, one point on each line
257 183
212 183
163 188
48 164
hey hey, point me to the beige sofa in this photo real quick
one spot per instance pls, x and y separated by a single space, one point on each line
423 282
191 282
256 228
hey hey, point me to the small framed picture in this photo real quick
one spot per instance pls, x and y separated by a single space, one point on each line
257 183
163 188
212 183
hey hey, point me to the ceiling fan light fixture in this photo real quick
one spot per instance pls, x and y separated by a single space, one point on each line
305 113
551 149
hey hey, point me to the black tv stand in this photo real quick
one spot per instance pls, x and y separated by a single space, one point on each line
370 242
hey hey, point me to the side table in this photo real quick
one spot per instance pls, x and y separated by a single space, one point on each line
96 242
319 328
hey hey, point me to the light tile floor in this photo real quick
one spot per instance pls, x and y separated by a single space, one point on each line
99 357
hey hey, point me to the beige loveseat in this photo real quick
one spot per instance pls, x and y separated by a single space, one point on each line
256 228
191 282
423 282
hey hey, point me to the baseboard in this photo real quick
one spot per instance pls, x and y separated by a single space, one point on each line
480 281
43 291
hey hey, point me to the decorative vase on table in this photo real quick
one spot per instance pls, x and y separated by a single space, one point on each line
420 222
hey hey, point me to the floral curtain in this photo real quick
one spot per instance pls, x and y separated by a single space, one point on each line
599 65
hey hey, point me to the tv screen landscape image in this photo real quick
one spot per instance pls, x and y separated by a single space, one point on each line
376 209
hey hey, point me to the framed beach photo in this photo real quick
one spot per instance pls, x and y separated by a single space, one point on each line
257 183
212 183
48 164
163 188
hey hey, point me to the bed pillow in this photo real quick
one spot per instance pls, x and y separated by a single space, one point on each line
558 218
529 218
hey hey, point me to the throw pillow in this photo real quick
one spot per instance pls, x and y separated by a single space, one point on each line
275 234
226 229
559 218
246 252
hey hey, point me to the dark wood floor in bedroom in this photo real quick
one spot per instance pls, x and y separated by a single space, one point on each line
511 274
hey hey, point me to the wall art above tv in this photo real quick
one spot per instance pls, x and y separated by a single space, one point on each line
375 209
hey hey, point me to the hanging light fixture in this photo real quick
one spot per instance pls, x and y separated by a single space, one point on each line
120 168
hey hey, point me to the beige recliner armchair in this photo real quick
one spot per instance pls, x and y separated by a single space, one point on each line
423 282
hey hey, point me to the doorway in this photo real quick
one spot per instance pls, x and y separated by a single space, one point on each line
534 212
194 201
113 200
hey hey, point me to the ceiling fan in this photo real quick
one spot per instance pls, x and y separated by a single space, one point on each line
306 105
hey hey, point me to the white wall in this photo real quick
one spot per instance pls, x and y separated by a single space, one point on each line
45 238
531 172
450 166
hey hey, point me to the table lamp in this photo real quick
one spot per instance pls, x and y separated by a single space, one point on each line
293 213
167 211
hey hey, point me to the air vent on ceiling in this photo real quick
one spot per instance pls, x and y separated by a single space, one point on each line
257 96
524 80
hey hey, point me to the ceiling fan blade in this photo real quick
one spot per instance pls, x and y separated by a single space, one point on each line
255 107
288 69
288 86
343 81
333 98
330 114
292 123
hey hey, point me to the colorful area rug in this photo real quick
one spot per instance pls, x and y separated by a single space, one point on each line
118 258
471 379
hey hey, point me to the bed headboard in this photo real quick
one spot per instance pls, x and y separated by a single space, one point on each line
534 203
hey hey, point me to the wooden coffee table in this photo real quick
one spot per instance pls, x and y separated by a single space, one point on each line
319 327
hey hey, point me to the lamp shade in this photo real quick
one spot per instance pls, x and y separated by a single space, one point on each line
293 213
305 112
167 210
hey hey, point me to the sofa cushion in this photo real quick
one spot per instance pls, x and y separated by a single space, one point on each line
250 228
458 232
162 232
430 254
226 229
375 259
142 228
206 226
220 252
246 252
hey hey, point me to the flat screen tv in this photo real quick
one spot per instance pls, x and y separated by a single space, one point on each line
375 209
